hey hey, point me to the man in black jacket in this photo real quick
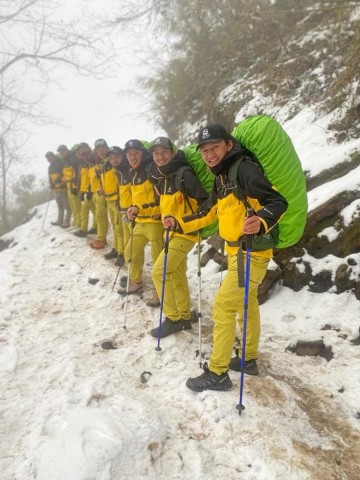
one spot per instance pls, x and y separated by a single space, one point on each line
230 203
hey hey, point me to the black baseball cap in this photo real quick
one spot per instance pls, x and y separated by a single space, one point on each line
61 147
134 144
100 142
82 145
115 150
212 133
162 141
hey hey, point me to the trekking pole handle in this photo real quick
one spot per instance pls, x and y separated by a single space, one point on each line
250 212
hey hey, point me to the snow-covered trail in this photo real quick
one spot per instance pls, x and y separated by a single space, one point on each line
70 410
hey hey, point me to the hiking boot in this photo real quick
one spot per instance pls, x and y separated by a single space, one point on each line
65 225
134 287
111 254
250 366
119 262
123 281
80 233
153 302
210 381
56 223
186 324
98 244
92 231
168 327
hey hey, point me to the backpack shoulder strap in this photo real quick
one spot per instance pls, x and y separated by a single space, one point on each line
232 175
179 182
179 177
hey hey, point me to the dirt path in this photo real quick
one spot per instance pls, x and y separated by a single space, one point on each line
338 457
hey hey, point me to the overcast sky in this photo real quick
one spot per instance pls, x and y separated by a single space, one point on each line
91 109
87 108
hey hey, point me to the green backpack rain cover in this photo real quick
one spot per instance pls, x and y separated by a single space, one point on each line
146 144
206 178
271 145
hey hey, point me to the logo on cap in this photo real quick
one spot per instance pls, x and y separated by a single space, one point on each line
134 143
205 134
100 142
158 140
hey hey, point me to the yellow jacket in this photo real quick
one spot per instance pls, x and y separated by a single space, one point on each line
94 177
142 191
179 190
109 181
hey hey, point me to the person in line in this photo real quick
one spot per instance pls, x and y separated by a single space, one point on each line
115 164
101 148
219 150
87 158
181 194
70 178
148 228
125 202
58 187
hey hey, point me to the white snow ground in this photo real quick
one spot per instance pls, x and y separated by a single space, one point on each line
70 410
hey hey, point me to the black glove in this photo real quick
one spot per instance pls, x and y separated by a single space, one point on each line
73 191
89 195
82 196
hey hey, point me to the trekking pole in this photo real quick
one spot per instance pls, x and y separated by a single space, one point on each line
118 272
128 273
117 275
199 299
248 238
166 249
46 211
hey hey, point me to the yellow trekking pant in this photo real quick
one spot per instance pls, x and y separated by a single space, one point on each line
143 233
121 234
176 303
127 229
228 302
87 206
75 207
101 216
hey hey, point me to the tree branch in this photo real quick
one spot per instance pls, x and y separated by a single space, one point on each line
22 8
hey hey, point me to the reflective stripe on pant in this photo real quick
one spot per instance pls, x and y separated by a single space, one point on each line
176 303
229 301
142 235
101 216
120 234
87 206
75 206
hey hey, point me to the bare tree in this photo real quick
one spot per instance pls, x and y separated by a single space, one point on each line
13 137
36 38
3 212
219 55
